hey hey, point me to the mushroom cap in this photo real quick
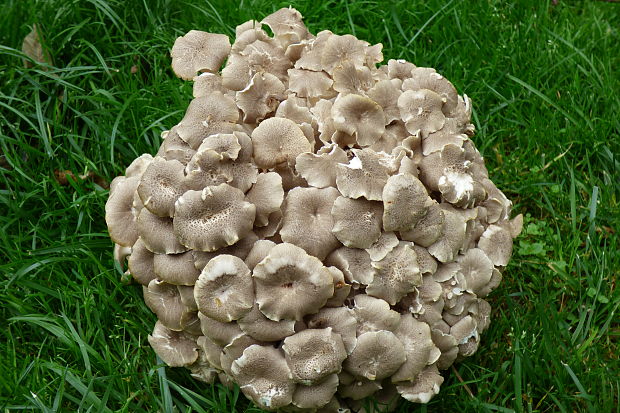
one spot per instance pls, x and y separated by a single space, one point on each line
259 327
207 115
428 229
216 217
267 195
264 377
307 221
341 49
310 84
206 83
161 185
224 289
341 288
165 301
173 347
234 350
386 243
357 222
419 348
377 355
396 275
198 51
290 283
421 111
177 269
319 169
287 26
374 314
140 263
225 144
428 78
316 395
496 242
365 175
405 202
354 264
314 354
341 320
356 388
359 116
119 216
175 148
220 333
424 387
157 233
260 97
452 236
278 140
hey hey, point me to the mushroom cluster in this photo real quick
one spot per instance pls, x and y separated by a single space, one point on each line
318 228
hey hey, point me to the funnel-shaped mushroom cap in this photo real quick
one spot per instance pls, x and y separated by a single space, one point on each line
424 387
259 327
213 218
357 222
377 355
177 269
428 229
157 233
428 78
396 275
264 377
308 222
496 242
399 69
359 116
278 140
260 97
421 111
354 264
365 175
165 301
208 115
118 211
290 283
161 185
341 320
316 395
313 354
224 290
197 52
351 79
341 49
374 314
173 347
267 195
140 263
310 84
405 202
386 94
287 26
419 348
319 169
220 333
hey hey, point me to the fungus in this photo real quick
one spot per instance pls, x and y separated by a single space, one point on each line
318 226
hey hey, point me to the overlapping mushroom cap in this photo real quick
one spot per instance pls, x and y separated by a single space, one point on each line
317 228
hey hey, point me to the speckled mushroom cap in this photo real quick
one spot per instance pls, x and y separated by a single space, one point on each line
318 227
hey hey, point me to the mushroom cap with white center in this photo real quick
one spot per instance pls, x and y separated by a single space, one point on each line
119 216
224 291
341 320
313 354
308 222
177 269
374 314
165 301
310 84
428 78
405 202
290 283
365 175
162 183
424 387
460 189
396 275
197 52
260 97
216 217
175 348
267 195
359 116
264 377
354 264
357 222
319 169
377 355
259 327
316 395
421 111
278 140
496 242
140 263
419 348
157 233
220 333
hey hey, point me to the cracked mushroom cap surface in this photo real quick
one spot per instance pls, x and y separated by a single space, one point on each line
314 209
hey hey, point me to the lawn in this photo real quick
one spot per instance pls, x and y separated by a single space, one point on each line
545 83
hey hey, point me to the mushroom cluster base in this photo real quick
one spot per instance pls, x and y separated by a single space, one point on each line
319 227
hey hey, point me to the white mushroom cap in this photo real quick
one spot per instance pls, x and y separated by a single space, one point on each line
290 283
215 217
198 51
264 377
357 222
278 140
377 355
359 116
118 211
308 222
313 354
173 347
224 290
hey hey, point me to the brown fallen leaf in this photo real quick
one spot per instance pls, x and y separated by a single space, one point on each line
63 177
32 47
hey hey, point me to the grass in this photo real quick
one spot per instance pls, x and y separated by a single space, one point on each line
543 76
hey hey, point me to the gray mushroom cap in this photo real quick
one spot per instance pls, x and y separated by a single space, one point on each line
207 115
405 202
316 395
496 242
140 263
162 183
424 387
354 264
119 216
157 233
419 348
278 140
259 327
173 347
357 222
374 314
365 175
359 116
267 195
198 51
177 269
396 275
377 355
165 301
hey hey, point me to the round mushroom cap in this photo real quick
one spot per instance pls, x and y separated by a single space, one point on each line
377 355
428 78
216 217
341 320
267 195
198 51
421 111
119 216
264 377
165 301
374 314
314 354
175 348
157 233
290 283
140 263
496 242
405 202
161 185
359 116
224 290
357 222
396 275
177 269
424 387
419 348
276 141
